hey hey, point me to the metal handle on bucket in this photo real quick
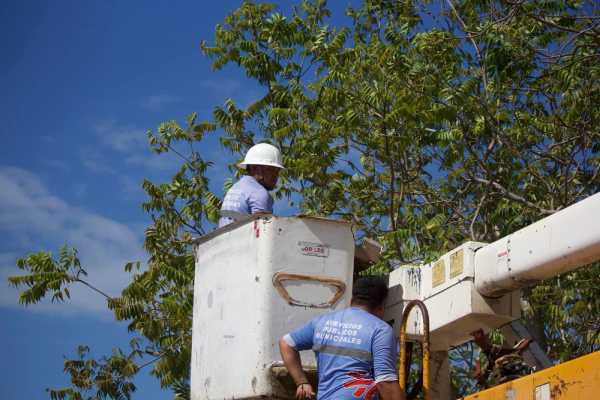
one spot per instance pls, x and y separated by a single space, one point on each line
279 277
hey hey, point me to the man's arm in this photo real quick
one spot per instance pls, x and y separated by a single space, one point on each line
385 356
390 390
291 359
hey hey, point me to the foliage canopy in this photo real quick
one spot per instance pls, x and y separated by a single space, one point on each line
426 123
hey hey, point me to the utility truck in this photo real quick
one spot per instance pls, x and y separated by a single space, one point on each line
260 278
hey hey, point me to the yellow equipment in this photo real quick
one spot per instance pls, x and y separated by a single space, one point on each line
577 379
402 339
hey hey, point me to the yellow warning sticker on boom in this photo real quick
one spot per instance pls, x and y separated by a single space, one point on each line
456 263
438 273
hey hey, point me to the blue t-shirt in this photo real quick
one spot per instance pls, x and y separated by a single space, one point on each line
355 350
245 197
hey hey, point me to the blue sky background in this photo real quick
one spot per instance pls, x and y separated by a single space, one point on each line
80 83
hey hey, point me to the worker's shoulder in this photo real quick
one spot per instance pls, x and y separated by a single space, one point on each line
355 315
248 184
245 186
379 323
327 318
370 323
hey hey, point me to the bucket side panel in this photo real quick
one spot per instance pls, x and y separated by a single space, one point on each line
226 326
312 256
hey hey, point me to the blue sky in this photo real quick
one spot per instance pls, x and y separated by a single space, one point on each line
81 82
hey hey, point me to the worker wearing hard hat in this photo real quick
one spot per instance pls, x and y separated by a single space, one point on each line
356 350
250 195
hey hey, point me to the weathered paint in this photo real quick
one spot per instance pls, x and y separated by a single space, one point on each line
402 372
577 379
254 282
455 306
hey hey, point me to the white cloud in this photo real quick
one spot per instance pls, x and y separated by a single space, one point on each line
28 210
243 94
48 138
158 101
130 145
96 162
57 164
132 188
224 87
159 162
122 138
7 295
80 189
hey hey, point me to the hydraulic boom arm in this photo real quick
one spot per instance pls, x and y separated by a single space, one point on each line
562 242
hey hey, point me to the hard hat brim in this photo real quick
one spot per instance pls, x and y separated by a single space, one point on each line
243 165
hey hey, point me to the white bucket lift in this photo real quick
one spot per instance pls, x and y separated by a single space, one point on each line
255 281
260 278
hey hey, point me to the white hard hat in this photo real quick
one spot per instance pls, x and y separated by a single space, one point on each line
262 154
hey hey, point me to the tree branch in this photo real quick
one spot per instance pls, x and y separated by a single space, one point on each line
470 36
515 196
93 288
471 231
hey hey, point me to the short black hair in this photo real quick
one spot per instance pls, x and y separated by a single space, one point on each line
370 291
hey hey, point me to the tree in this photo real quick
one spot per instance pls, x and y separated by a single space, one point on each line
426 123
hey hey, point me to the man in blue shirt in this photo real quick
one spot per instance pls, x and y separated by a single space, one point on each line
250 195
356 350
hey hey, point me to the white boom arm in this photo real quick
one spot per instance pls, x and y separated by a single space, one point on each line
562 242
476 285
